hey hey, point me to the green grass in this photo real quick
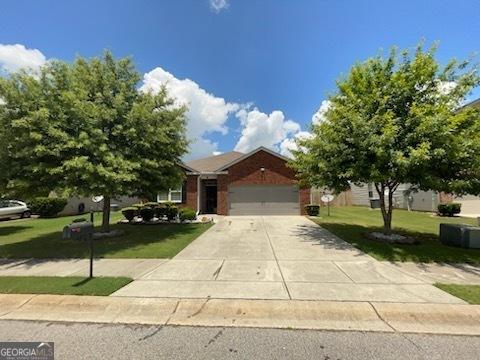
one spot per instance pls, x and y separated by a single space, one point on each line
351 222
101 286
42 238
469 293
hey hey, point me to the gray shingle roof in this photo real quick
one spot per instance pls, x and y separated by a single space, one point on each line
212 163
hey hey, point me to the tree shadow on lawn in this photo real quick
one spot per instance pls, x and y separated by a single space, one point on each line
429 249
10 230
160 241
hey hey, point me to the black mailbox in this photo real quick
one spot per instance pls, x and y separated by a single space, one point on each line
82 231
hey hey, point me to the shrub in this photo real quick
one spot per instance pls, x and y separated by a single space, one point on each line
47 206
129 213
455 208
138 206
147 213
160 211
449 209
187 214
312 209
171 212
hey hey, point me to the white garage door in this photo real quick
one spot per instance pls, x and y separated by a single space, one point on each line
263 200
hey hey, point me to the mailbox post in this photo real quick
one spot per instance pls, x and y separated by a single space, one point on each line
81 231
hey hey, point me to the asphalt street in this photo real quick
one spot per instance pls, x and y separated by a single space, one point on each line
97 341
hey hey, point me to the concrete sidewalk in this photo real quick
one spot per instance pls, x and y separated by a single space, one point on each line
427 273
326 315
133 268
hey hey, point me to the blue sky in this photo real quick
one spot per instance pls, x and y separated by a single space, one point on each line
257 70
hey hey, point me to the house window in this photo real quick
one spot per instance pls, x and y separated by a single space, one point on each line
370 191
173 195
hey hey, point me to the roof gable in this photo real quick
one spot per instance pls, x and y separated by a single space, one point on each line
245 156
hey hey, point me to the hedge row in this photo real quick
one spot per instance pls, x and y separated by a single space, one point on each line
150 210
47 207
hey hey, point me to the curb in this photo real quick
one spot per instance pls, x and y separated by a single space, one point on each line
287 314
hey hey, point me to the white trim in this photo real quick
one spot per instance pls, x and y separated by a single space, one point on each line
241 158
208 173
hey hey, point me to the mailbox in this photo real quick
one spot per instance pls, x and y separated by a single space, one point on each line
82 231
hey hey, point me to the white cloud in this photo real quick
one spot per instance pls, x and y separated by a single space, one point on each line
17 56
261 129
201 148
319 116
219 5
445 87
207 113
289 144
216 153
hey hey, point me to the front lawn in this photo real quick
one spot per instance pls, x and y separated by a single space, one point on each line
469 293
351 222
42 238
101 286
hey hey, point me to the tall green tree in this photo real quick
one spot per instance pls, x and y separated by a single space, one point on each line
85 129
394 120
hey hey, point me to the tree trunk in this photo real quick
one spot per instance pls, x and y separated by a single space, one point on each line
386 209
106 214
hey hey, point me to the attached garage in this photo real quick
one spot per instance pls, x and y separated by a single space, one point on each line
263 200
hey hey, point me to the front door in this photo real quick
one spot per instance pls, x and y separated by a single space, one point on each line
211 199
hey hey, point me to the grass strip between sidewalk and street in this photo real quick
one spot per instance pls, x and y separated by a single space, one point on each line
469 293
75 285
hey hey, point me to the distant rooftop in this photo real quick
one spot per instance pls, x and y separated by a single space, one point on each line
212 163
474 103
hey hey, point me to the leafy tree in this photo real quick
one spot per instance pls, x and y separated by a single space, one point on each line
396 120
85 129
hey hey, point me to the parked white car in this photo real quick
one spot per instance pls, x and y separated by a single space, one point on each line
14 208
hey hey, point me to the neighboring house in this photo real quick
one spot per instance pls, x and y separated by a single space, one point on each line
421 200
80 205
470 203
257 183
403 197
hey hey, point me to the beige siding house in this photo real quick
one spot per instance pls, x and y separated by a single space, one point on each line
403 198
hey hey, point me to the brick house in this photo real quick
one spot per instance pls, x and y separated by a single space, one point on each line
257 183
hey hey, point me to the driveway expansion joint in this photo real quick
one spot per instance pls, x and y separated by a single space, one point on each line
276 259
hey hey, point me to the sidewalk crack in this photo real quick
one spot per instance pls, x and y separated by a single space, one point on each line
217 272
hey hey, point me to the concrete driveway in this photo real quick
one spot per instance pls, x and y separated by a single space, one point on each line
279 257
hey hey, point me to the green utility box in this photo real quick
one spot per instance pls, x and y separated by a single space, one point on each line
461 235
